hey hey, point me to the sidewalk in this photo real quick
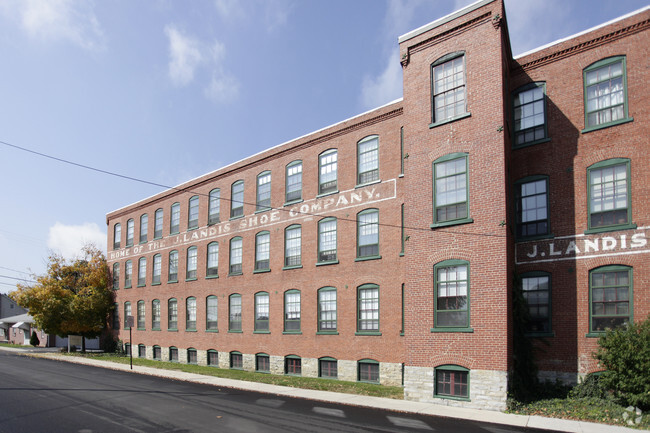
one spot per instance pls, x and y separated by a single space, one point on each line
349 399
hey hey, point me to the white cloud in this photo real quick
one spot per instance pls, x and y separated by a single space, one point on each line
229 9
69 239
185 55
277 13
53 20
384 88
222 88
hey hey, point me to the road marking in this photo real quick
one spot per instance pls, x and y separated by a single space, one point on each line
270 402
410 423
329 411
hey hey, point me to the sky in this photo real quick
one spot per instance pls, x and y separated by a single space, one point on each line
166 91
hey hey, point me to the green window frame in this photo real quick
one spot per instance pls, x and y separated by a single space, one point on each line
328 368
262 363
191 262
237 199
234 313
262 312
212 265
262 251
142 351
327 310
532 207
536 290
117 236
130 232
327 242
213 358
172 273
214 206
175 219
236 251
293 365
451 382
451 296
448 89
155 315
128 274
190 314
605 93
157 353
293 246
610 298
610 195
192 357
173 354
156 269
368 309
142 271
127 314
144 228
116 316
172 314
193 213
328 172
158 224
263 201
292 311
140 313
211 313
368 234
116 276
529 115
451 190
368 371
236 360
368 160
293 182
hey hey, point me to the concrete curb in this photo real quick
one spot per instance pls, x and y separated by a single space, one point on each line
415 407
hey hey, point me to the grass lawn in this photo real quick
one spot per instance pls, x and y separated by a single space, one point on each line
19 346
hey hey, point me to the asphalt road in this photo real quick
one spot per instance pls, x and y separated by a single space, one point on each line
39 395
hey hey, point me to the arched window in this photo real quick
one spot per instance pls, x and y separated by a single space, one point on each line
117 235
263 191
327 172
144 227
293 182
190 311
368 160
192 262
193 213
214 206
175 220
212 268
130 232
262 251
237 199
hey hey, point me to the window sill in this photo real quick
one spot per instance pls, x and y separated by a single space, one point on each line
142 285
172 281
540 334
327 333
190 279
611 228
129 245
333 262
211 277
292 202
235 274
292 332
211 223
261 332
457 222
191 229
230 331
212 330
286 268
236 217
140 329
263 371
361 185
532 143
596 334
261 271
190 330
535 238
467 330
266 209
325 194
367 333
607 125
365 259
451 119
174 232
128 287
155 238
155 284
172 330
155 329
450 397
143 242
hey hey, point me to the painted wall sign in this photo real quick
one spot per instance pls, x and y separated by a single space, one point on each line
583 246
307 210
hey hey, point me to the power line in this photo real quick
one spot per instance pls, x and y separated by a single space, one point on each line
14 270
19 279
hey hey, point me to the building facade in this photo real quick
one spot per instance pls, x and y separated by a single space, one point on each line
386 248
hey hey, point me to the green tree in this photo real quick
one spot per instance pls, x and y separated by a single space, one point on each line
72 298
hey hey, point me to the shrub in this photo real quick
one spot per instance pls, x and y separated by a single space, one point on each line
33 340
625 353
590 387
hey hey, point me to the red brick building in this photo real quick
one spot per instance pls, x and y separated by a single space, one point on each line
385 248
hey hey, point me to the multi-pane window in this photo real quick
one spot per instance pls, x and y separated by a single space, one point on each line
449 97
140 315
155 314
117 235
262 311
368 233
192 259
536 289
327 309
172 313
529 114
142 271
173 354
236 256
293 365
191 356
294 181
214 206
609 193
193 213
328 368
144 227
605 92
327 240
610 290
368 160
127 349
292 311
128 273
157 269
451 382
292 246
262 363
211 304
142 351
532 207
116 316
175 220
450 188
212 269
237 199
327 171
116 276
368 371
158 224
368 308
173 266
262 251
190 311
263 191
234 313
213 358
127 314
451 280
157 353
130 232
236 360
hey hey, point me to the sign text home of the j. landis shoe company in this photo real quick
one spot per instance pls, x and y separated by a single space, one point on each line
578 247
303 211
